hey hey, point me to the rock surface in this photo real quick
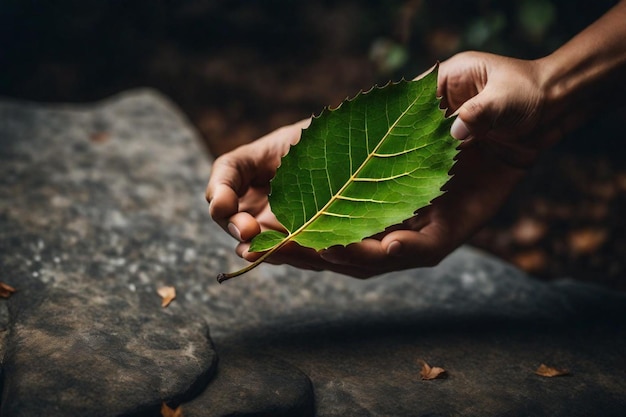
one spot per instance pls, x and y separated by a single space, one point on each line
86 352
253 384
486 323
87 237
101 205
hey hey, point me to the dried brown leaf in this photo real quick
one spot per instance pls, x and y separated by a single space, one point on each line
100 137
166 411
549 372
6 290
431 372
168 294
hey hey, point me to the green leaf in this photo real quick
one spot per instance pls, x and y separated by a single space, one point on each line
266 240
360 168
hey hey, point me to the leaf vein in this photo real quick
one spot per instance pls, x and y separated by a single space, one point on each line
403 152
330 213
364 200
354 177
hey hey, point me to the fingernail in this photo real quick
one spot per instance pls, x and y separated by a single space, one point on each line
459 129
394 248
234 232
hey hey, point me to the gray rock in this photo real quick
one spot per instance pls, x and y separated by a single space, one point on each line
87 201
250 384
86 352
489 325
88 224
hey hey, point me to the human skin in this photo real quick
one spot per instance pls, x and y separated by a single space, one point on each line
507 112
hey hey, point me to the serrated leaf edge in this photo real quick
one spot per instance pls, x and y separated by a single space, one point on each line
289 236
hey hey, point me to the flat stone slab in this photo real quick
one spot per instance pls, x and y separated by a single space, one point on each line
489 325
253 384
90 352
86 237
102 204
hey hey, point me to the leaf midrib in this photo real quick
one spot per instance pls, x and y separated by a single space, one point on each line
336 196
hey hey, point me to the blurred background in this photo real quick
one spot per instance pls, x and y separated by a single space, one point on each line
241 68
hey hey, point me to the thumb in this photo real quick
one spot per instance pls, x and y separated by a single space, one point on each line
475 117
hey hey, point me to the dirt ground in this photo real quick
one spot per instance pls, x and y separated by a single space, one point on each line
242 68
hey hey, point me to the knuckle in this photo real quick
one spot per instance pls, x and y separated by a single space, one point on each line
473 111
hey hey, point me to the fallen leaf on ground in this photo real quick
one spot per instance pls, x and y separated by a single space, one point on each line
549 372
6 290
431 372
100 137
166 411
167 294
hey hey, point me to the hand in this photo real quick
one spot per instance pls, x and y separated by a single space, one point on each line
500 101
237 195
484 175
509 110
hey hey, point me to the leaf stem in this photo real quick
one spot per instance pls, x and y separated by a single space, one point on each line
221 277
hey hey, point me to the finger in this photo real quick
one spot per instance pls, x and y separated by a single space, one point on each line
225 171
306 258
411 249
302 124
418 221
459 130
303 260
243 226
223 203
366 252
399 249
226 183
476 116
298 257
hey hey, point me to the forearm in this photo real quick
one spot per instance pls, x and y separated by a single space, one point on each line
587 75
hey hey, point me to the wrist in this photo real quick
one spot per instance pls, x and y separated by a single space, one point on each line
558 88
586 75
